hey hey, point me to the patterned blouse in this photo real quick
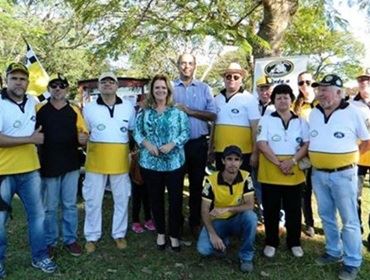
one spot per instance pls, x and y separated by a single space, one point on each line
171 125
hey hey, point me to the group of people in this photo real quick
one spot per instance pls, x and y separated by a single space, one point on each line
272 146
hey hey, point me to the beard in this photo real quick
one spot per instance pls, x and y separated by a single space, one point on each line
17 92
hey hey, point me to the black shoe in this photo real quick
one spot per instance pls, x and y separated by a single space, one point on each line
161 247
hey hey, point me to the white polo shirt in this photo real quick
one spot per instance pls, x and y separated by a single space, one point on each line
364 111
107 149
334 139
284 141
18 120
233 123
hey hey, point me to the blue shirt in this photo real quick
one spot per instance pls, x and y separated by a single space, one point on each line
172 125
197 96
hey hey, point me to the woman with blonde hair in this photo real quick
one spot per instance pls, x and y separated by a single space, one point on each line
161 131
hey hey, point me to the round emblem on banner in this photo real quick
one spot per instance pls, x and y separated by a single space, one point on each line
100 127
280 68
17 124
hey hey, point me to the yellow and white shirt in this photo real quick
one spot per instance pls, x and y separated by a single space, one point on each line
18 120
333 139
234 115
108 149
284 141
222 194
364 111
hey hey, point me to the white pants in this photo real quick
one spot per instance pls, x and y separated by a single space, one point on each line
93 193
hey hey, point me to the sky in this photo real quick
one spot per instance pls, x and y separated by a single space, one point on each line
359 26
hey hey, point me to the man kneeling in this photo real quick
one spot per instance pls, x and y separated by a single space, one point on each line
227 209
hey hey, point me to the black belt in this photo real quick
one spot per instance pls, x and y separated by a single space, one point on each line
336 169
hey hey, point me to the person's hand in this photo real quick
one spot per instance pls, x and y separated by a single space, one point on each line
153 150
182 107
215 212
82 138
37 137
167 148
286 166
217 242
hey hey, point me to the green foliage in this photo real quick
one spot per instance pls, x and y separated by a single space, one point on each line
332 50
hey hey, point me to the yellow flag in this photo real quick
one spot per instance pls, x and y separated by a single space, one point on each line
38 77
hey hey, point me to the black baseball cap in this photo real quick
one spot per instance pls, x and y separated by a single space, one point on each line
58 78
329 80
232 150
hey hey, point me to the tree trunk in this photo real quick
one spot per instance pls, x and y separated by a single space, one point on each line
277 15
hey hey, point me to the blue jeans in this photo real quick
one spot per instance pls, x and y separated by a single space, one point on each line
243 225
338 191
61 190
28 187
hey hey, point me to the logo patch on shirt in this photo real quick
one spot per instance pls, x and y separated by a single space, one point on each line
338 135
259 129
100 126
235 111
123 129
276 138
17 124
314 133
33 118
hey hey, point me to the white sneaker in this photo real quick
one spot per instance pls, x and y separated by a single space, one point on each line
269 251
297 251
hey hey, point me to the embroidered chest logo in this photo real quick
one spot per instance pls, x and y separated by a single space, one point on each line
17 124
100 126
123 129
276 138
338 135
314 133
235 111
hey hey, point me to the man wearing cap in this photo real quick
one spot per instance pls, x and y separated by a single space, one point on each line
227 209
335 127
264 85
64 130
195 99
362 103
109 120
237 118
19 164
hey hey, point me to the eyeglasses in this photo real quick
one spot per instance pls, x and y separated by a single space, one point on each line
232 77
301 83
107 82
61 86
363 79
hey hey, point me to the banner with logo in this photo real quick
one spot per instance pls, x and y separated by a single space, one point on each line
282 70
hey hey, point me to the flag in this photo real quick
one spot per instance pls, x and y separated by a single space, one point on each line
38 80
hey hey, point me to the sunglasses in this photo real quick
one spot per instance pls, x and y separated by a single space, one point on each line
363 79
301 83
232 77
61 86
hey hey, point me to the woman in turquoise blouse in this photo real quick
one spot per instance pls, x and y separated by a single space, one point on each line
161 131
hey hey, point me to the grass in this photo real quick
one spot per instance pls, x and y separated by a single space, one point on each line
141 260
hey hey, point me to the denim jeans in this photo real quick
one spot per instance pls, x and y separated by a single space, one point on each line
243 225
28 187
338 191
61 190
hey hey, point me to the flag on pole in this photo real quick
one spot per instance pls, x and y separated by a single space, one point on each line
38 80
